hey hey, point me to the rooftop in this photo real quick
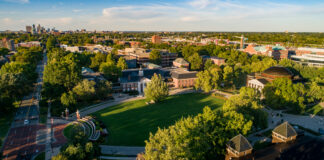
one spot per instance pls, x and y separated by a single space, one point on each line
285 129
239 143
278 70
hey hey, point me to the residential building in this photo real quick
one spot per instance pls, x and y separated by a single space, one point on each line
156 39
309 59
7 43
141 55
283 133
183 78
137 79
239 148
259 80
305 50
167 58
30 44
180 63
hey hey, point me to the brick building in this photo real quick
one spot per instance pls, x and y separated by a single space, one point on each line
167 58
30 44
259 80
7 43
156 39
183 78
277 52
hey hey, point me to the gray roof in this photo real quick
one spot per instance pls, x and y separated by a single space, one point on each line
181 61
239 143
285 129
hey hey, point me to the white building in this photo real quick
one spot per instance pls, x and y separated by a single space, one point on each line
309 59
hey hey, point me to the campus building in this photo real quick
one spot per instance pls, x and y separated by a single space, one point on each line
277 52
259 80
183 78
156 39
137 79
283 133
309 59
239 148
180 63
167 58
305 50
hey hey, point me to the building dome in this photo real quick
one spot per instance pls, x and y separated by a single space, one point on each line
278 71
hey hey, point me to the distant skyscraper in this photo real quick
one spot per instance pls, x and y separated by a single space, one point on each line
29 29
38 28
34 29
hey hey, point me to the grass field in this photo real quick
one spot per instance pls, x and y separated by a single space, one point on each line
130 123
5 122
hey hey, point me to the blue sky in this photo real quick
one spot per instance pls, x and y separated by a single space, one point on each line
165 15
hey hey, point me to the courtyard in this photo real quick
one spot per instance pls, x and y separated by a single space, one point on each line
130 123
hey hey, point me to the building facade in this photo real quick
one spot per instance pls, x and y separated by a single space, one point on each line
312 60
156 39
183 78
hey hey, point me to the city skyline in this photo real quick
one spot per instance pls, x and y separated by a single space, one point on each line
164 15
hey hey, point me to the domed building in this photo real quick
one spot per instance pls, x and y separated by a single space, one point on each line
259 80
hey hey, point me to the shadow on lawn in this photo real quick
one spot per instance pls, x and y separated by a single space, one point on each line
134 121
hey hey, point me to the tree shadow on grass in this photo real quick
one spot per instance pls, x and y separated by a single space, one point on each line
133 121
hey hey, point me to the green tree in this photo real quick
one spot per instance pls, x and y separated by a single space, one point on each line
228 76
156 90
85 90
104 89
51 43
155 57
4 51
209 79
68 99
122 63
195 61
201 137
282 93
110 71
97 60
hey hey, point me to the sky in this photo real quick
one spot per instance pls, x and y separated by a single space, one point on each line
165 15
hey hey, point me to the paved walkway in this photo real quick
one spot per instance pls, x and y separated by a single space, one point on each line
121 150
122 99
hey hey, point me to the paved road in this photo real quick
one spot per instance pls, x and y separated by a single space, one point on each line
121 150
21 139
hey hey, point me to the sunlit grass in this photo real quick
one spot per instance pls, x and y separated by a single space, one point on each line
130 123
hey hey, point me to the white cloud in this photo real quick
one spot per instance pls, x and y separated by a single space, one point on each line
77 10
17 1
200 4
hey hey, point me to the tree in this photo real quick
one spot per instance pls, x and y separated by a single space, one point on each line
51 43
156 90
248 103
104 89
68 99
4 51
110 70
282 93
201 137
97 60
155 57
195 61
209 79
228 76
122 63
85 90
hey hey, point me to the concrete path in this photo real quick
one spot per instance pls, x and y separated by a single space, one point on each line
117 158
121 150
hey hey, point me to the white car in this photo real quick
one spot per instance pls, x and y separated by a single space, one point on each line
26 121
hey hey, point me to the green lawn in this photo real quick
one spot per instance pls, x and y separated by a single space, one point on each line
5 122
67 131
130 123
